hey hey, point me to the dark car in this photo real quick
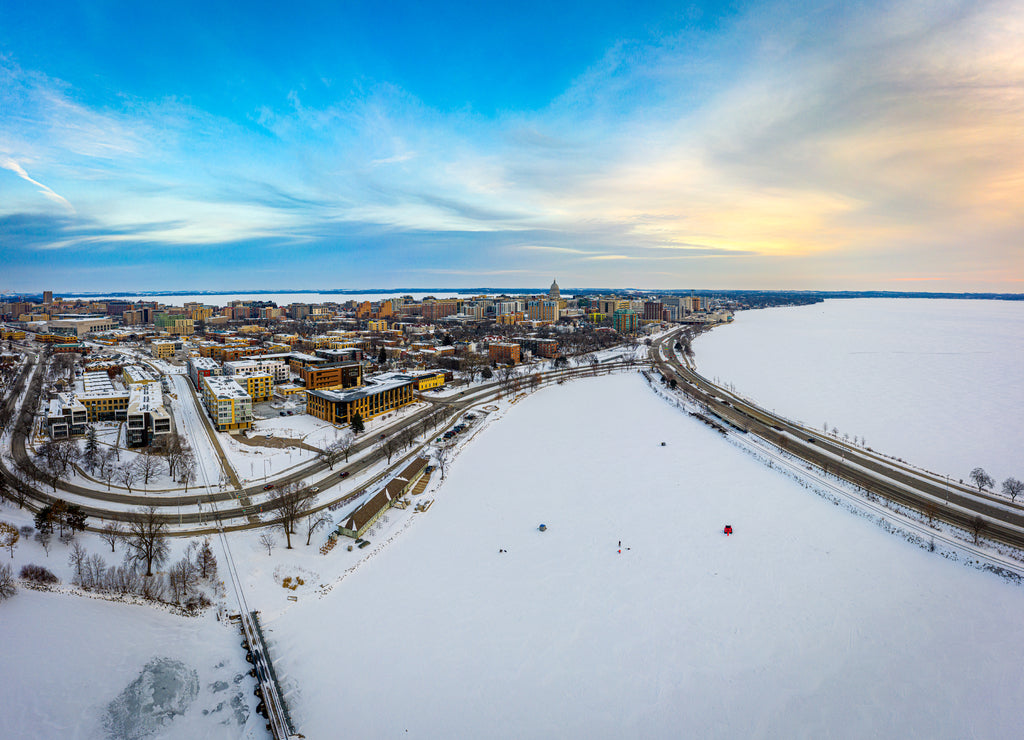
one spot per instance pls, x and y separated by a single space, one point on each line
268 487
344 474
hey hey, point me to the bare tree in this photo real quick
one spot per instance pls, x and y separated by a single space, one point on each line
111 533
187 470
105 465
94 572
267 540
8 586
147 538
175 449
147 464
1012 488
315 521
389 447
27 471
981 479
182 579
66 453
48 463
291 502
343 445
443 456
43 537
127 475
332 452
76 560
978 525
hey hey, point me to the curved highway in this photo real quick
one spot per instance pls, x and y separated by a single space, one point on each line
930 494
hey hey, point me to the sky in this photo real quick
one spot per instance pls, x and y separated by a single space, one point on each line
235 146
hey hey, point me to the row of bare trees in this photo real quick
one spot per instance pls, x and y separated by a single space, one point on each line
1011 486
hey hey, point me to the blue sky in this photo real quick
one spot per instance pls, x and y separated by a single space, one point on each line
664 145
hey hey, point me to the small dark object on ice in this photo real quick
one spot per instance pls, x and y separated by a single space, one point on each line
543 527
728 530
662 444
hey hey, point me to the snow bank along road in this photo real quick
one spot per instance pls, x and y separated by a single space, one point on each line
935 497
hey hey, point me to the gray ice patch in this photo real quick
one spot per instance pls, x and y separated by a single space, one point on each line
164 689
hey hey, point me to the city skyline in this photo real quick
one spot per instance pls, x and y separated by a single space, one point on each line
756 146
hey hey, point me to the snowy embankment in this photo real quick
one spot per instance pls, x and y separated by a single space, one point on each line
807 622
935 382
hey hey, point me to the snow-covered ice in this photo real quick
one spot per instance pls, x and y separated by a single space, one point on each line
807 622
938 383
84 668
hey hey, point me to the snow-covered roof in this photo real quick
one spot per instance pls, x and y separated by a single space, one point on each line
222 386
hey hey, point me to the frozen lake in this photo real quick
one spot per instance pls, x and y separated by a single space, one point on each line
633 615
939 383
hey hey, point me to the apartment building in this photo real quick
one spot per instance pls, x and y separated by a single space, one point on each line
66 416
101 399
227 403
163 350
542 310
146 416
625 322
504 353
277 369
259 386
202 367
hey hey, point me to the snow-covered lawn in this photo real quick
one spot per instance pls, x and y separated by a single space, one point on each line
936 382
807 622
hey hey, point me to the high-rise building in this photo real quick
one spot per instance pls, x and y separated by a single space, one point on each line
624 322
654 311
542 310
47 296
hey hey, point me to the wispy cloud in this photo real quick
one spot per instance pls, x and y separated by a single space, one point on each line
9 164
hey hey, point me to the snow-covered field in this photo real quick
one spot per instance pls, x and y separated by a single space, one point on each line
807 622
939 383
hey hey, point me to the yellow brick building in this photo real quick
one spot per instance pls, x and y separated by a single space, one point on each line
163 349
259 387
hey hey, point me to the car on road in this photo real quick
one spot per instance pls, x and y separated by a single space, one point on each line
268 487
344 474
282 413
315 489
